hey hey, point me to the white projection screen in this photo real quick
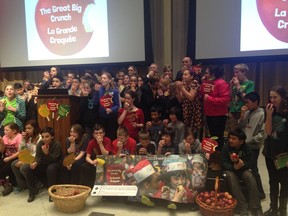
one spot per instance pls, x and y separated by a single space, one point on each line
241 29
71 32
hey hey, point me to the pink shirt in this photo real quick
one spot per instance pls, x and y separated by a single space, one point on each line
12 146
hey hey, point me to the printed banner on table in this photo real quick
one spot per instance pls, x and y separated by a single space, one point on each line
176 178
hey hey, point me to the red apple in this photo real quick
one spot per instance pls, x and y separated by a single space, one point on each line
59 25
208 201
230 201
207 195
273 14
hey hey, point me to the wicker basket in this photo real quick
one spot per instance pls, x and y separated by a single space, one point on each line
69 198
207 210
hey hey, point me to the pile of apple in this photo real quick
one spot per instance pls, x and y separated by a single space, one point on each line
222 200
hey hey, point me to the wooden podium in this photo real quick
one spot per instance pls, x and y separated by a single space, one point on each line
58 110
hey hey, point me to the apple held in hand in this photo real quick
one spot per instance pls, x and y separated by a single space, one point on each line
273 14
234 157
60 25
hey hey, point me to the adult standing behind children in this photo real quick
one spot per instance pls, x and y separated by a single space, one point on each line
239 87
216 97
108 98
252 123
189 96
276 128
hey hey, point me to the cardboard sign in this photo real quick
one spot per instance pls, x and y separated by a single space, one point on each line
25 156
106 101
53 106
63 111
44 111
69 160
209 145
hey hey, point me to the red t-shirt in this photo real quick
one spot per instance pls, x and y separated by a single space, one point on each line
130 118
129 148
94 145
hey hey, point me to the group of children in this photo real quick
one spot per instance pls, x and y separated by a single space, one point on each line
130 124
48 156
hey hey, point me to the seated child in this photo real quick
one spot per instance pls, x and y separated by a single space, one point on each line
236 162
99 145
46 165
175 115
155 126
145 146
9 153
76 144
123 145
190 144
165 146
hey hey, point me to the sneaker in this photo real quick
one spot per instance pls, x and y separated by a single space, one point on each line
31 198
18 190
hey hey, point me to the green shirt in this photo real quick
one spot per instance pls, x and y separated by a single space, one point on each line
236 101
18 116
9 114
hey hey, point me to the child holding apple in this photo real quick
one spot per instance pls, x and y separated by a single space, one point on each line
123 145
99 145
46 165
145 146
190 144
236 162
165 146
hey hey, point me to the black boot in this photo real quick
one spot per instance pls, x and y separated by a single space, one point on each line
283 206
273 210
8 188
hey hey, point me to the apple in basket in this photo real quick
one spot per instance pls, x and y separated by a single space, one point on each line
76 192
219 200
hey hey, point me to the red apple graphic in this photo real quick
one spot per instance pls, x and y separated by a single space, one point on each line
273 14
60 25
